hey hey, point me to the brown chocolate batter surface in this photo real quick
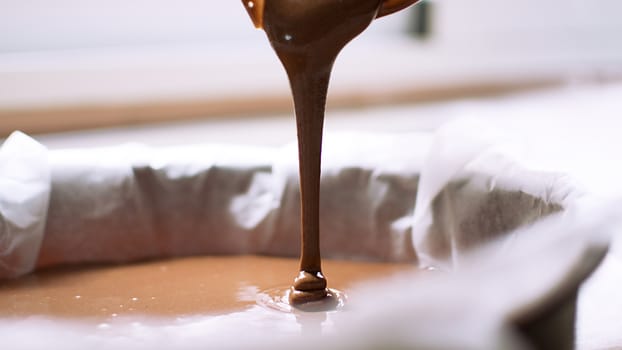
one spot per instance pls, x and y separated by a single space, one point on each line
180 287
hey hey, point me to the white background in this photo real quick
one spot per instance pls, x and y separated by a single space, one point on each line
76 52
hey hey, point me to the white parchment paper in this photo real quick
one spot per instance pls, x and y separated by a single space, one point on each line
508 237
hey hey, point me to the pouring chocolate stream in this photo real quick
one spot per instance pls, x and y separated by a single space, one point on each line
307 36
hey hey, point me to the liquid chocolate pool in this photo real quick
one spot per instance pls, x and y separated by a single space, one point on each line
307 37
170 288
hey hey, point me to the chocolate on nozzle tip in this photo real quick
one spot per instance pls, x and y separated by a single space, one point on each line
255 11
391 6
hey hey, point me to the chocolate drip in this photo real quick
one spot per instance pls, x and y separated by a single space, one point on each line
307 37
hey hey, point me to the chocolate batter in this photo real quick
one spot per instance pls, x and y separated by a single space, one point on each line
307 37
171 288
